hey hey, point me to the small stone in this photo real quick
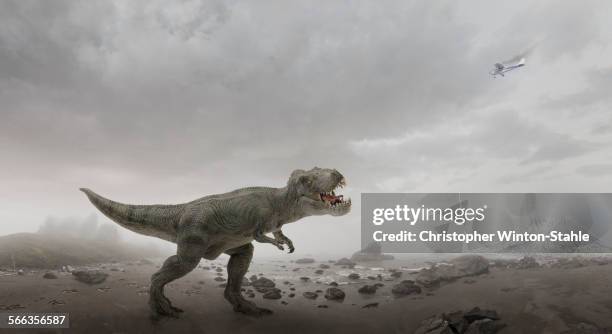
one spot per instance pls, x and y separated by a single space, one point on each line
310 295
272 293
219 279
90 277
405 288
335 294
319 271
262 282
345 262
305 279
396 274
50 275
353 276
370 305
324 266
367 289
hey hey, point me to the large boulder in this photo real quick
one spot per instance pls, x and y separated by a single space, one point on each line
406 287
335 294
262 282
475 321
471 265
89 277
345 262
463 266
371 252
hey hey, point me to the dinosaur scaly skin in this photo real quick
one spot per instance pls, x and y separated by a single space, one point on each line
227 223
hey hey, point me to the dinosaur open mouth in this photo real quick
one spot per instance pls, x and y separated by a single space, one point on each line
331 198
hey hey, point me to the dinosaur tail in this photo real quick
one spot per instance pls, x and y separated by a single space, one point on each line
152 220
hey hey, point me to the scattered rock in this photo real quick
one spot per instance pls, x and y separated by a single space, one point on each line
527 262
56 302
90 277
477 314
304 279
324 266
345 262
262 282
67 269
406 287
434 325
319 271
219 279
571 263
291 295
368 289
50 275
370 305
476 321
253 278
310 295
353 276
272 293
334 294
470 265
485 326
463 266
323 306
11 307
396 274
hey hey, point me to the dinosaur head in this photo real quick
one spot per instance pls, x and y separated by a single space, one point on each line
316 191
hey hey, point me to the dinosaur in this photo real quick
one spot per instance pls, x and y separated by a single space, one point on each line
227 223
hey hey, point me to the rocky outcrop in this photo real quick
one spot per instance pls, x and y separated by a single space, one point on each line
371 252
463 266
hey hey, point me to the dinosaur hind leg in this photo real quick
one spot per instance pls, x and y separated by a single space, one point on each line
174 267
237 267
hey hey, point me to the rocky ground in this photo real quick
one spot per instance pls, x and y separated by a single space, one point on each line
468 294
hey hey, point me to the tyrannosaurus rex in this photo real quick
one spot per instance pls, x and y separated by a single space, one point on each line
227 223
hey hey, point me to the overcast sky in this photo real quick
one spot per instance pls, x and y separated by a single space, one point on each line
164 102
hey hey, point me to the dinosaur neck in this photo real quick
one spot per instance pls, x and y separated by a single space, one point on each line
286 205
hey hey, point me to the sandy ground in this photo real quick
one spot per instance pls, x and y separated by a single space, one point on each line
541 300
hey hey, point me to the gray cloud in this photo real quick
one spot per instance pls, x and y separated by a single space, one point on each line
162 102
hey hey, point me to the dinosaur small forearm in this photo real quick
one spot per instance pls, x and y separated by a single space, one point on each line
278 235
261 237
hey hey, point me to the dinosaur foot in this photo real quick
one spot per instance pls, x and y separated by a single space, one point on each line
249 308
161 307
174 308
